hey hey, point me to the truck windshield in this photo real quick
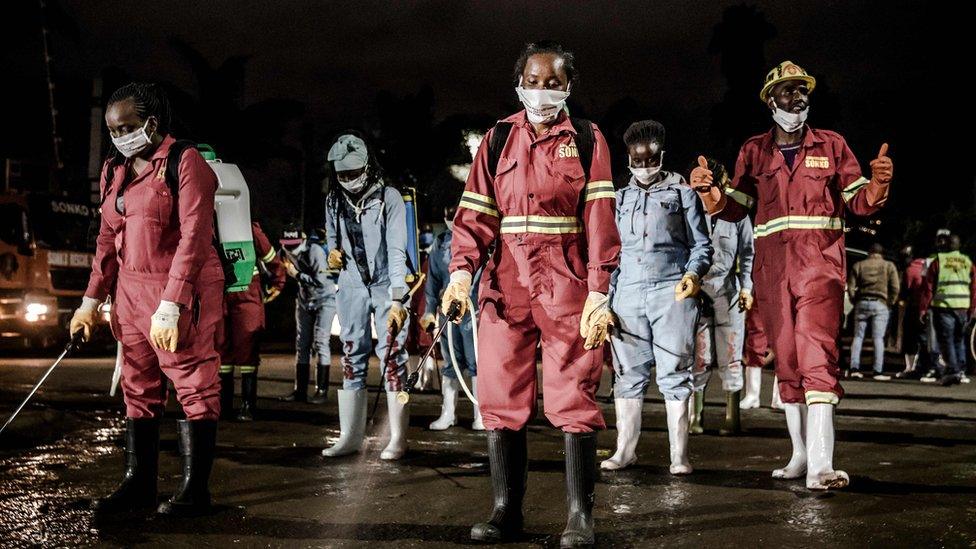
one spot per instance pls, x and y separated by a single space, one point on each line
13 224
60 224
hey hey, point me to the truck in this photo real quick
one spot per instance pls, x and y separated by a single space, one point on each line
46 249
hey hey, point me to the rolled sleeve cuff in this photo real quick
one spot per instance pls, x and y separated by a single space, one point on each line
178 291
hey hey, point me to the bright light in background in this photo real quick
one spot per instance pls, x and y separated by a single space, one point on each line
472 139
37 309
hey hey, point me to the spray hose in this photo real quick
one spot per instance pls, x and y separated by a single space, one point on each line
450 348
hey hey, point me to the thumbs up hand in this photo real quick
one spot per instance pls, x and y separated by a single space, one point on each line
701 176
882 169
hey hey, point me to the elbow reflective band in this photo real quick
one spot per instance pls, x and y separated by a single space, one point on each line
479 203
852 189
740 197
801 222
541 224
599 189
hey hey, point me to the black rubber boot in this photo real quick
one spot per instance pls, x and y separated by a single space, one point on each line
300 394
580 481
198 440
509 462
733 424
321 395
138 488
227 395
249 396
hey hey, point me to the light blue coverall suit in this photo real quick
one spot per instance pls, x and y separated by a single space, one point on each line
315 307
461 335
663 236
722 327
382 218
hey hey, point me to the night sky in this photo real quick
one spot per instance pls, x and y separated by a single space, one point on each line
285 75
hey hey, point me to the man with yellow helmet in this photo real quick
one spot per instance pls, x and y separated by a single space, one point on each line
800 181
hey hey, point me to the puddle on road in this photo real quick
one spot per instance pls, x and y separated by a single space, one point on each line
37 505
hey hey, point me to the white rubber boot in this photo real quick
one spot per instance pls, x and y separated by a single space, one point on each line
352 423
628 432
449 389
821 474
753 388
477 424
796 419
399 416
677 411
775 403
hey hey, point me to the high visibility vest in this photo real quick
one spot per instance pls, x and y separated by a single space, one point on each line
952 288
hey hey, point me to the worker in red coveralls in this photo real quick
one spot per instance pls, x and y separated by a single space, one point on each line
243 324
155 256
555 247
801 181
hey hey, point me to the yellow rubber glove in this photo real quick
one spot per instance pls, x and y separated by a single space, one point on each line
396 318
335 259
688 287
164 328
596 320
427 322
745 300
458 291
84 318
290 269
271 294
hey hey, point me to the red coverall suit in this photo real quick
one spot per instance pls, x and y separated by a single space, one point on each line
799 270
244 311
557 241
161 248
756 344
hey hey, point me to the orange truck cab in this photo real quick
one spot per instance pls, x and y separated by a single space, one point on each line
45 261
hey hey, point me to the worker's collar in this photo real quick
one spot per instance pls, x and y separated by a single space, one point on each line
163 148
563 124
810 138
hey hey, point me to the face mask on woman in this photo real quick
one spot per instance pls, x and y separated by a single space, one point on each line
133 143
355 186
646 175
542 106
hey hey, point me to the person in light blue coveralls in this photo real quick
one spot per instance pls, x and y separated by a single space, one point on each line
665 253
726 295
461 335
366 228
315 309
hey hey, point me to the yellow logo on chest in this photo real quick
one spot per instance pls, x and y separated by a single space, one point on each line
819 162
568 151
161 174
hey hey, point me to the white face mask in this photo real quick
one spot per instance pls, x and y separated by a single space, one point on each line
542 106
133 143
790 122
450 224
355 186
646 175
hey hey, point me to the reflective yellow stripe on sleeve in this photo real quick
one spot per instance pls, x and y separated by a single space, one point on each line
596 190
479 203
268 256
849 191
740 197
800 222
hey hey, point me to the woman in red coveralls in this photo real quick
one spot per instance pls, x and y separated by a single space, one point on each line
155 257
547 281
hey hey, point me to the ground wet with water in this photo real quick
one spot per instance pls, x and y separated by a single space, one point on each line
910 450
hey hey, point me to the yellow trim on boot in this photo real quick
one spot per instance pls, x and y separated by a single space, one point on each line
821 397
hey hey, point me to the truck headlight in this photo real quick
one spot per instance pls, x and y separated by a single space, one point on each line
37 308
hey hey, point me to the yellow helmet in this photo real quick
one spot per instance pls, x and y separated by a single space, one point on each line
787 70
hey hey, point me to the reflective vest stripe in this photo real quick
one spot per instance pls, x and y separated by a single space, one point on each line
541 224
599 189
952 290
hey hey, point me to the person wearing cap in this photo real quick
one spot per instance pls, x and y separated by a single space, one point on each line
665 252
800 181
461 336
727 295
365 222
549 222
239 342
306 260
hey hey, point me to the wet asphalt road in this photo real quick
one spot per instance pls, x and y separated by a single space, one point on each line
910 450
